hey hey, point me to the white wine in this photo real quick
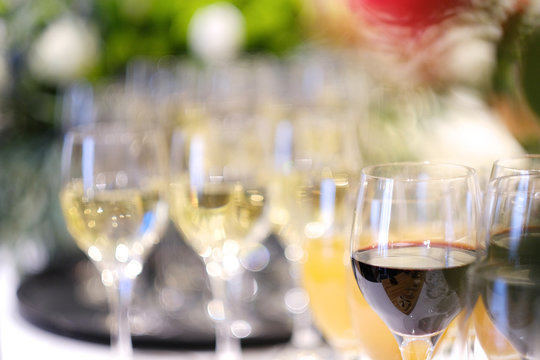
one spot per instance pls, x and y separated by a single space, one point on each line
114 225
216 212
304 208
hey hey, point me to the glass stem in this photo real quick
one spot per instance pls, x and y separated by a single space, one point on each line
413 348
297 302
120 296
228 346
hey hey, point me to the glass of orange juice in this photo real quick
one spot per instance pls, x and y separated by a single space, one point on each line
323 269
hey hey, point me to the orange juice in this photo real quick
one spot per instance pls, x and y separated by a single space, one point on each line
328 279
324 278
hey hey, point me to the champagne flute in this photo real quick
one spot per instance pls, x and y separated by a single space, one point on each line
113 199
218 202
413 238
507 279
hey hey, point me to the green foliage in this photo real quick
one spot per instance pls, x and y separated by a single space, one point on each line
127 29
517 72
530 70
158 28
30 184
272 25
507 57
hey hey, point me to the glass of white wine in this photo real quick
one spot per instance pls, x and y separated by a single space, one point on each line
113 199
218 203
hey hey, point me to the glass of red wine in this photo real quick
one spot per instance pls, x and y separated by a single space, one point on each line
507 279
414 236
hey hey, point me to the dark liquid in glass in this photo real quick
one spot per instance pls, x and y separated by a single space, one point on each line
417 290
508 282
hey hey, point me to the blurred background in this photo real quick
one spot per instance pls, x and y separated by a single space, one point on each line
450 80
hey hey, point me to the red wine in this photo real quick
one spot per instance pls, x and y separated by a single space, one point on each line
511 296
416 290
519 246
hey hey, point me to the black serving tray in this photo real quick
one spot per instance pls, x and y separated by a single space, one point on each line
67 299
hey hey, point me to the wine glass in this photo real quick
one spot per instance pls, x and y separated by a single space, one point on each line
414 236
218 202
113 200
492 342
506 281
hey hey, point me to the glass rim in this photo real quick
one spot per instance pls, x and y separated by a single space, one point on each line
505 162
466 171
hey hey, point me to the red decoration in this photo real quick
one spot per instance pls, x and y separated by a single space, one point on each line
413 16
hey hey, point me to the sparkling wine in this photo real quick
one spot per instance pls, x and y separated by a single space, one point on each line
417 290
114 224
216 212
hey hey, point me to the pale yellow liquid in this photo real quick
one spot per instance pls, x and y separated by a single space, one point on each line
101 220
296 202
215 213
